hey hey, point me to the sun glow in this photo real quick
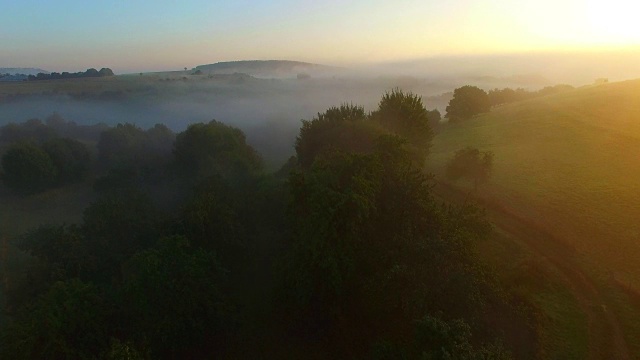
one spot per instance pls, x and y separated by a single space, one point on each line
614 21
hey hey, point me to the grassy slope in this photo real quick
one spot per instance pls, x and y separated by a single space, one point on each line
562 328
570 164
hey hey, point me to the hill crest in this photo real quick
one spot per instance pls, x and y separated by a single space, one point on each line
267 68
569 163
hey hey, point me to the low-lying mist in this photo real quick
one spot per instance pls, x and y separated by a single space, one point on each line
269 110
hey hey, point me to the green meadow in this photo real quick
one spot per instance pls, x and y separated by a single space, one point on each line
568 165
568 162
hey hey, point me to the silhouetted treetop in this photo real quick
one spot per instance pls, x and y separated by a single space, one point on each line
89 73
215 149
339 128
404 114
467 102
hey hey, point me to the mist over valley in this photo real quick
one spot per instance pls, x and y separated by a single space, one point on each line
320 180
267 99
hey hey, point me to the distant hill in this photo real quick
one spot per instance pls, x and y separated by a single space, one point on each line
25 71
529 69
268 68
569 162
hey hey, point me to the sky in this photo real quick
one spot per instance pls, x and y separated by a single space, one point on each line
155 35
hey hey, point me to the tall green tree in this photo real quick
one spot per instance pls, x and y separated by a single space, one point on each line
467 102
404 114
215 149
339 128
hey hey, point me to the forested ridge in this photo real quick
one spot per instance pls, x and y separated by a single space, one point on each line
190 249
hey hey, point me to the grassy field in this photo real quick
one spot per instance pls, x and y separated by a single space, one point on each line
561 326
569 164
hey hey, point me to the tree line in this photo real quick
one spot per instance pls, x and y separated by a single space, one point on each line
89 73
192 250
469 101
508 95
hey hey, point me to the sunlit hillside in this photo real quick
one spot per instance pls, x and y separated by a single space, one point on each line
570 163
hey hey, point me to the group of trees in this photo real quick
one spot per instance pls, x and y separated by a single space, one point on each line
469 101
67 75
29 167
128 146
54 126
350 128
508 95
13 77
344 245
134 277
38 155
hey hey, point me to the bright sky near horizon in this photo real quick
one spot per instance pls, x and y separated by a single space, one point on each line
146 35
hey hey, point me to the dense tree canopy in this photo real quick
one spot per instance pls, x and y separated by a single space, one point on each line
29 167
345 246
67 322
215 149
404 114
155 284
26 168
467 102
32 130
115 227
127 145
71 158
367 241
339 128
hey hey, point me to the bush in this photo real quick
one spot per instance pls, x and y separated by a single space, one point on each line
472 164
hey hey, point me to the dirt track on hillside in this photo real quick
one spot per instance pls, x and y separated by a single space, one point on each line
606 338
